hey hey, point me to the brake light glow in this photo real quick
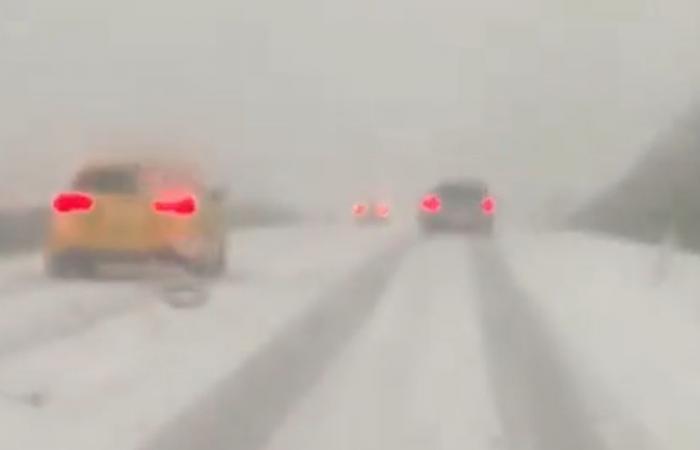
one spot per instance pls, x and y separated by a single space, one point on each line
431 204
68 202
182 206
382 210
359 209
488 205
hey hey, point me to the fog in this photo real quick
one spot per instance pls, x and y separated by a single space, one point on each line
392 334
537 96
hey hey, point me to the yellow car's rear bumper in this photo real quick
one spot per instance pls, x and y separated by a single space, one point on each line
118 256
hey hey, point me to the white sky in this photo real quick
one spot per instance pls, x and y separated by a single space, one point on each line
315 100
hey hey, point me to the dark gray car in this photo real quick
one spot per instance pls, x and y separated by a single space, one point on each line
458 206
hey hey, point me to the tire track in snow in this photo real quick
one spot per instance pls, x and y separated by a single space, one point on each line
536 396
244 410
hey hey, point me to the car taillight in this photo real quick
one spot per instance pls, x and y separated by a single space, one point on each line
382 210
431 204
359 209
182 206
73 202
488 205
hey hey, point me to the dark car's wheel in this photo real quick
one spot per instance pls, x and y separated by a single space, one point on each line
487 230
428 229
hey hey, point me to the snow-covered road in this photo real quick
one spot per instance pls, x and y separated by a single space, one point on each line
113 363
415 378
336 338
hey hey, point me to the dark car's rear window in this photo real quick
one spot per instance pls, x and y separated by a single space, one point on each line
462 191
117 180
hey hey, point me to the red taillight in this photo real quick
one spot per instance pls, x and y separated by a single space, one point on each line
72 202
359 209
431 204
382 210
182 206
488 205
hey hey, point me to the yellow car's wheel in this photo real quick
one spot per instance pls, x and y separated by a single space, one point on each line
63 265
212 266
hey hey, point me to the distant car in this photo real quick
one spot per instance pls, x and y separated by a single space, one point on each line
458 206
371 213
136 212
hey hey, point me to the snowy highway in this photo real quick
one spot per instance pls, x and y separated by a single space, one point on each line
333 337
291 161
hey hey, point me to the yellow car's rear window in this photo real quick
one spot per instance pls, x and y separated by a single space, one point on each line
112 180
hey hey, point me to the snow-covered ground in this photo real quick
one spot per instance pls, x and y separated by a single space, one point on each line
120 379
113 364
415 377
630 326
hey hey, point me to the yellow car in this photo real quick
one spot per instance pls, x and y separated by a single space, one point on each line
136 212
